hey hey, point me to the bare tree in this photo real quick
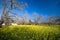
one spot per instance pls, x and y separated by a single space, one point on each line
37 18
25 18
7 6
30 22
58 20
51 20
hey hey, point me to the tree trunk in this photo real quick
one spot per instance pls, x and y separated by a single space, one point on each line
1 22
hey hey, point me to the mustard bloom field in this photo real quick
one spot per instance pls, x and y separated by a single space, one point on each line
30 32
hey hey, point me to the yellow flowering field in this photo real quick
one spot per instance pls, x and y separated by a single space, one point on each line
30 32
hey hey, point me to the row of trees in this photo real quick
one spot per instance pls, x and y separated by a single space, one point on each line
36 19
8 5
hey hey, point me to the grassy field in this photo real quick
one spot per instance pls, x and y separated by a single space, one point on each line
30 32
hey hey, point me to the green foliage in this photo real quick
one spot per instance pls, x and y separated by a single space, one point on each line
30 32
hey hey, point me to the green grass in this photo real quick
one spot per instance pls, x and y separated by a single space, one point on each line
30 32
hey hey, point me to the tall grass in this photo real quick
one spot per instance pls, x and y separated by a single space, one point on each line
30 32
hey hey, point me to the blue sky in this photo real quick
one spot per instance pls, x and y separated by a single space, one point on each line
41 7
44 7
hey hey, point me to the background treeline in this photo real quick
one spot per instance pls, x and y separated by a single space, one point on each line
9 17
36 19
